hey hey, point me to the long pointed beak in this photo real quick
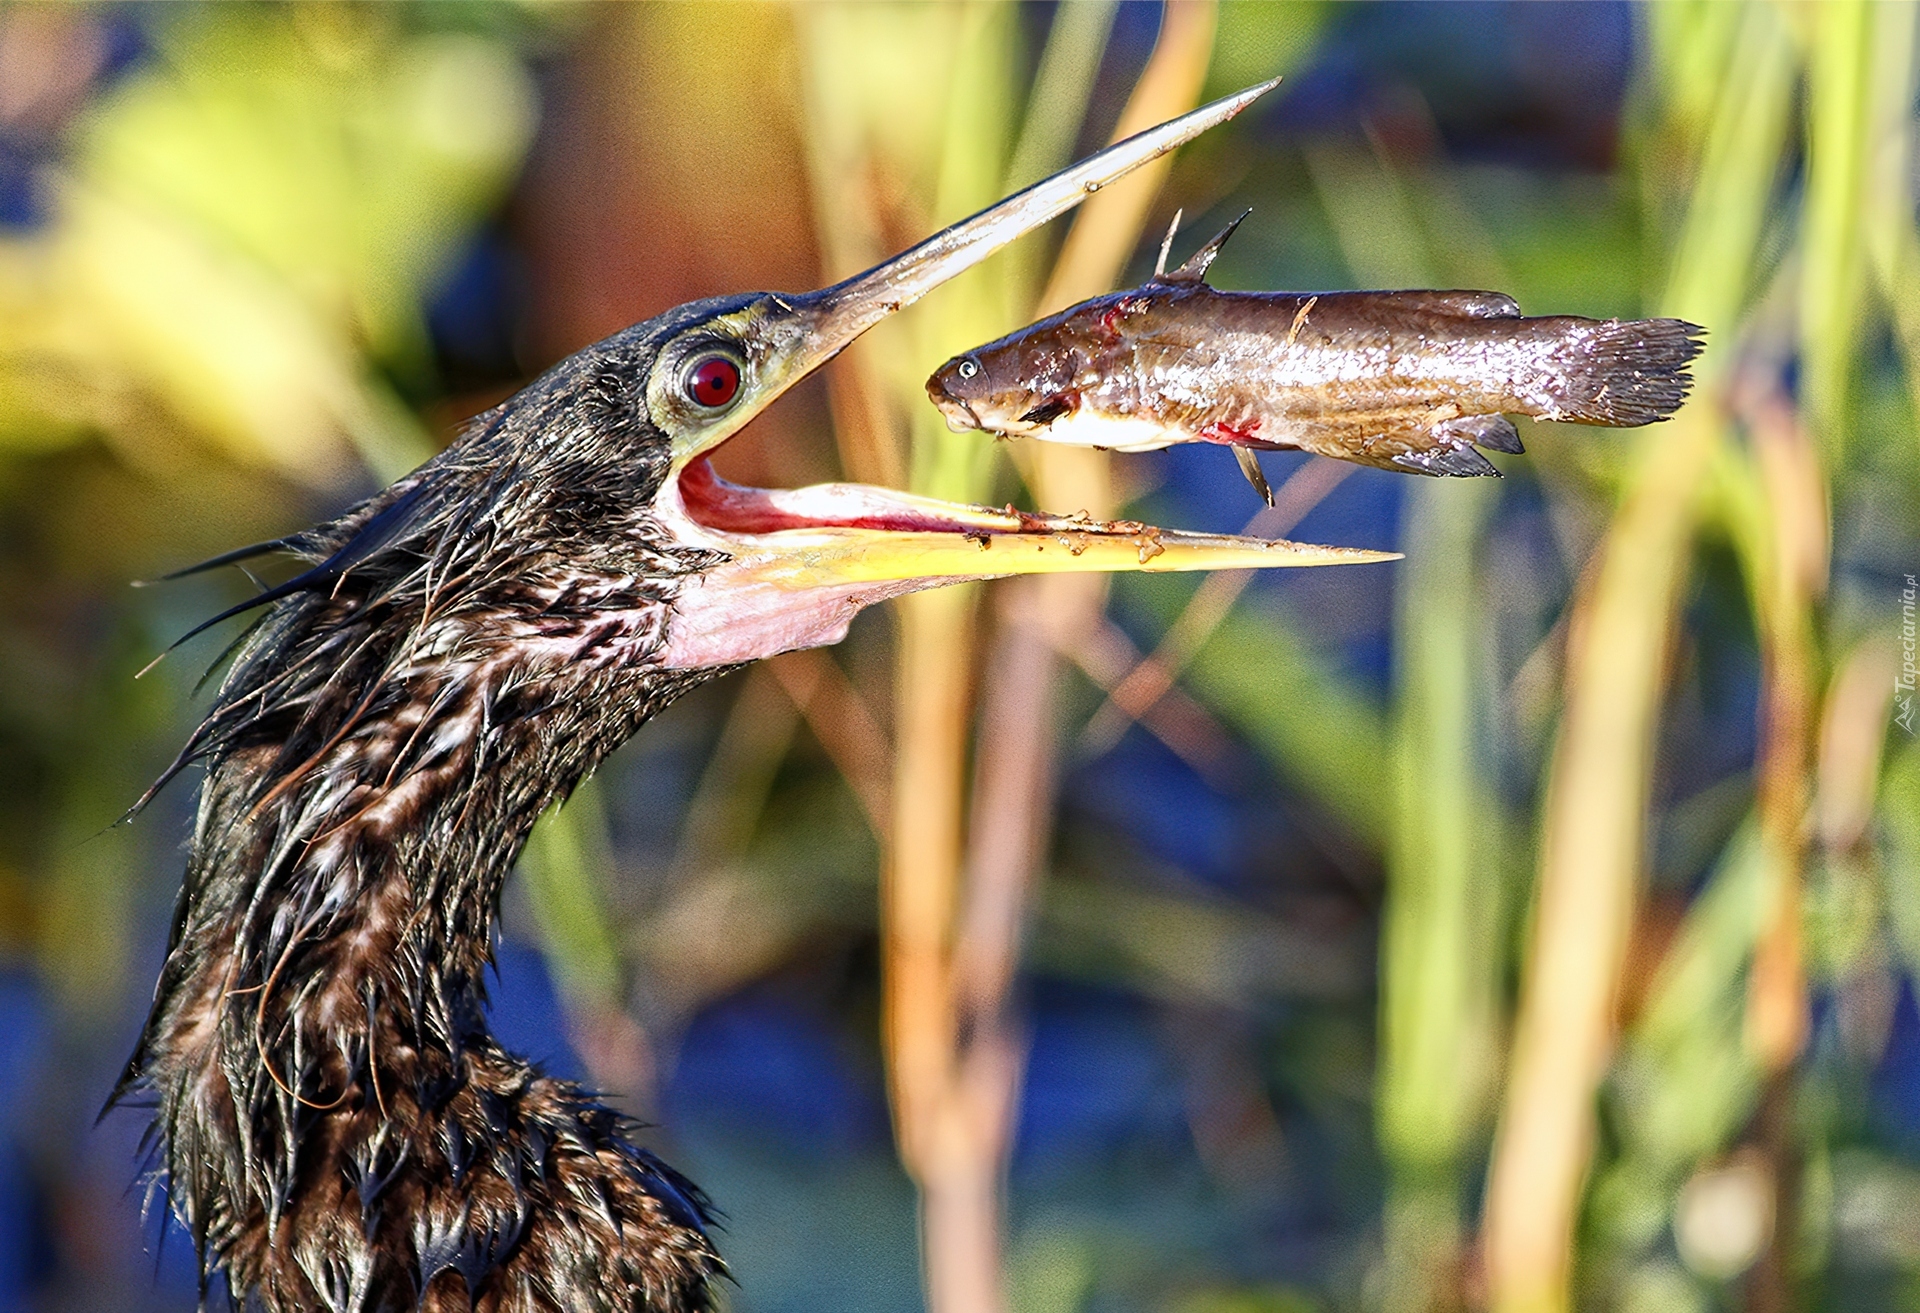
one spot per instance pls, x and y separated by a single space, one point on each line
840 313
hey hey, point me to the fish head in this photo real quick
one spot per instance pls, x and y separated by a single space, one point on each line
1014 387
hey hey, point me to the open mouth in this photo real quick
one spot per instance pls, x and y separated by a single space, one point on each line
804 561
856 531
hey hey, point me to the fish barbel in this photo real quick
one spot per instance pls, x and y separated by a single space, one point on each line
1410 381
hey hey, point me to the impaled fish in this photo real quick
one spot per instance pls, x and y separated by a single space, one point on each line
1411 381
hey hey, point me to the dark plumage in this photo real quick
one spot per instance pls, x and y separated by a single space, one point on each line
339 1128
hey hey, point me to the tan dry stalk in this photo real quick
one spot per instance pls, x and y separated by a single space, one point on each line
922 871
1853 735
953 944
844 725
1794 488
1793 576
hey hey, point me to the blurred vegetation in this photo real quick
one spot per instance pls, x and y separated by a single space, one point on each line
1532 925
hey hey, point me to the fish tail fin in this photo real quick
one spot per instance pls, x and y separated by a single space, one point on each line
1621 372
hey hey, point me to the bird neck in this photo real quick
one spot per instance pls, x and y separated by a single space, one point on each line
318 1045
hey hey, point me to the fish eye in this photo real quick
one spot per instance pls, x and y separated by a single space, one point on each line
967 367
712 381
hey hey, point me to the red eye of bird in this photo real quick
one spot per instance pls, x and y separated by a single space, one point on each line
713 382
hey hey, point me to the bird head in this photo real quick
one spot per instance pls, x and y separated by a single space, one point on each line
580 522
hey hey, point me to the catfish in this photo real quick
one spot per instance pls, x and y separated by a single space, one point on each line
1414 381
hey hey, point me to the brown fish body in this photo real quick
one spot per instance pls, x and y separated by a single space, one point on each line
1400 380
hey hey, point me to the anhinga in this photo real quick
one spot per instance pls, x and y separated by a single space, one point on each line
336 1126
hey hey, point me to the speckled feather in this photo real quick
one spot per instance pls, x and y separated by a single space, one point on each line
336 1127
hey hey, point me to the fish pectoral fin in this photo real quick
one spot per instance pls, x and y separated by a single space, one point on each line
1250 466
1460 461
1494 432
1448 449
1048 411
1195 269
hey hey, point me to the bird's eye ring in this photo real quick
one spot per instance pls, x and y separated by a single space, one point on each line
712 381
967 367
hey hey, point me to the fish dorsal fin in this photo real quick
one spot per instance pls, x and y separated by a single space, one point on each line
1195 269
1166 245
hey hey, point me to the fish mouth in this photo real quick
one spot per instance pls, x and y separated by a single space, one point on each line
959 415
795 565
962 416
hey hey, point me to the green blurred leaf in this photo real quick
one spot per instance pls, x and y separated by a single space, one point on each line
1259 39
1714 266
1441 958
1832 270
1262 1299
1188 948
1318 729
1684 1082
247 218
563 863
1900 847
